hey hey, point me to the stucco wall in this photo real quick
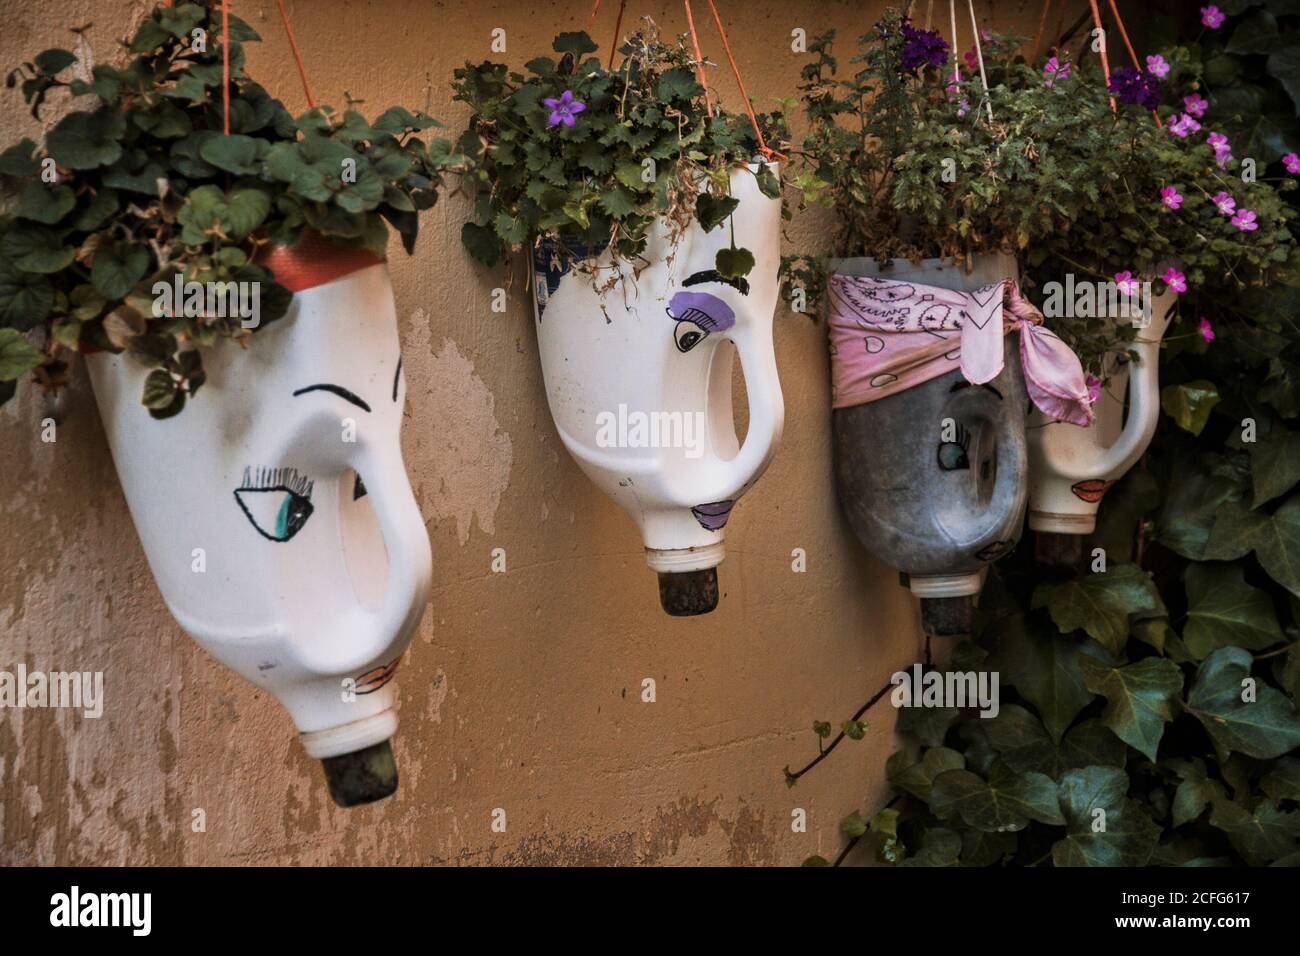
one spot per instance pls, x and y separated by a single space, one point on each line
521 690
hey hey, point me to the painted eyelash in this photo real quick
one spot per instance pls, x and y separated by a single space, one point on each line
963 436
265 479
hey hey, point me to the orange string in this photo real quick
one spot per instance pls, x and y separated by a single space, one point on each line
618 29
767 151
1042 25
1105 61
1119 21
297 56
699 57
591 18
225 65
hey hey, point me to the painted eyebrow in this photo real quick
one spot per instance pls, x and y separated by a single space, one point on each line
338 390
397 377
958 386
713 275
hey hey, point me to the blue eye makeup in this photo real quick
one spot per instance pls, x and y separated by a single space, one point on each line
276 501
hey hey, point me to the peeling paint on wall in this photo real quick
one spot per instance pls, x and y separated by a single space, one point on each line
452 429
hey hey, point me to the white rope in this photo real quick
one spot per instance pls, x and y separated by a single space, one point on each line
979 55
952 16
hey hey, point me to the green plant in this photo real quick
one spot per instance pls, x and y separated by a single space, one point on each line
1160 684
921 163
144 184
627 147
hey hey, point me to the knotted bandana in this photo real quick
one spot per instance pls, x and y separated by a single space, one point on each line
888 335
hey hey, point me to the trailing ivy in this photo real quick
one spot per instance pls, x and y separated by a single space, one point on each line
590 157
1148 707
140 184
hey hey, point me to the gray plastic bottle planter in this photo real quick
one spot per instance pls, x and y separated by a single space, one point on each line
940 515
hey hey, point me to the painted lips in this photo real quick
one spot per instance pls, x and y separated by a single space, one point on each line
377 677
714 515
1091 490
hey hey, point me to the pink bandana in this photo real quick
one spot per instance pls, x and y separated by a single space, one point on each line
888 335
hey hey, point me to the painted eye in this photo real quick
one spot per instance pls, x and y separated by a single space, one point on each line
952 457
688 335
276 501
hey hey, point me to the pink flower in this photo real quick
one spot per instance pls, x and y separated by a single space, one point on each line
1195 105
972 61
1094 388
1183 124
1157 66
1212 17
1245 221
1127 284
1206 329
1170 197
1054 70
1292 163
1222 151
1226 204
1175 279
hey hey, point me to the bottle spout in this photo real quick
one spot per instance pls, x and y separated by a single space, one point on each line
362 776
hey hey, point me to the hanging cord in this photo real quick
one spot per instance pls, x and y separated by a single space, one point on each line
699 57
763 148
618 32
1105 60
225 66
297 56
979 57
591 17
1119 21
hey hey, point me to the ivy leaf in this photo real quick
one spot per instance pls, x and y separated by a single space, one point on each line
1284 66
54 61
1264 727
712 211
1006 801
1267 834
1190 405
1224 611
853 825
43 203
17 355
939 847
118 266
1275 539
930 724
1195 791
734 263
1101 603
25 299
37 249
1275 466
18 160
917 776
1139 699
1283 781
481 242
1044 668
1105 827
87 140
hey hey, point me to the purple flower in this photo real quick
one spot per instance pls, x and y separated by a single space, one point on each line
1054 70
1183 124
1222 151
1169 196
1175 279
1206 329
1245 221
1292 163
922 48
1135 86
1126 283
1225 203
1212 17
1195 104
564 109
1094 388
1157 66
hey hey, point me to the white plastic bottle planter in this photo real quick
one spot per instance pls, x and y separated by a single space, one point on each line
638 375
276 513
933 368
1072 468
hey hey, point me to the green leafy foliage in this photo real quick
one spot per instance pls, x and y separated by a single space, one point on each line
139 183
643 148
